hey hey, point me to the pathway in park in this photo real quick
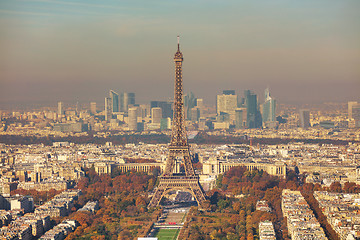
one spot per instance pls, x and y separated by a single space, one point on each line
169 224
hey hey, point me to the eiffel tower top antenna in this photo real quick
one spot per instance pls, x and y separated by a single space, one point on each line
178 39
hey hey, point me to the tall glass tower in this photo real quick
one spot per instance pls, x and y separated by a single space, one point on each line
253 116
114 101
269 108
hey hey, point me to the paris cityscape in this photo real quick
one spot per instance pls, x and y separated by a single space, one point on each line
187 147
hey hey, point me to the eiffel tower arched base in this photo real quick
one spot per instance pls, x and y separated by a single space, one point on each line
184 183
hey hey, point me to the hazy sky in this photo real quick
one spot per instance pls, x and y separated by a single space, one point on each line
62 50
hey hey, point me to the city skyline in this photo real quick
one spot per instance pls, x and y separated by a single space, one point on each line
77 50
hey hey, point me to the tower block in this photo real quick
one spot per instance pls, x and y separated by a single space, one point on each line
172 178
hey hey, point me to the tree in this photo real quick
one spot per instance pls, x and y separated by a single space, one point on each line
335 187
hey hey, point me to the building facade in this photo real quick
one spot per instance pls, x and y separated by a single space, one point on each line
269 110
304 118
114 101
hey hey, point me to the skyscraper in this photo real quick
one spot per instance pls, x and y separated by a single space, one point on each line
156 115
253 116
132 118
200 106
350 107
60 108
304 118
93 108
195 114
227 103
240 116
200 103
131 98
165 107
269 108
145 110
108 112
354 113
125 100
189 103
229 92
114 101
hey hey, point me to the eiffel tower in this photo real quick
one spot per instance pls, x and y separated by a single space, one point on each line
179 151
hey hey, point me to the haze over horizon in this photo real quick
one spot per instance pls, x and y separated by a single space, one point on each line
59 50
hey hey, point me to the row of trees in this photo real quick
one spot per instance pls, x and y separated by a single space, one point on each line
201 138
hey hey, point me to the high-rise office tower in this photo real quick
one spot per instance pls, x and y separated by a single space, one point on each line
240 116
114 101
145 110
133 111
121 102
108 112
356 115
60 108
304 118
200 106
165 107
350 107
125 100
189 103
200 103
93 108
227 103
156 115
131 97
229 92
268 113
253 116
195 114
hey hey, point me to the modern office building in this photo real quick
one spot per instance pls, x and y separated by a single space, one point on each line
189 103
269 109
131 98
93 108
114 101
165 107
304 116
350 108
195 114
60 108
126 99
200 105
145 110
108 109
229 92
356 114
165 124
253 116
240 118
132 118
156 115
227 103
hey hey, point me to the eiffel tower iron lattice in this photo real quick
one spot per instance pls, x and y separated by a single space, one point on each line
179 150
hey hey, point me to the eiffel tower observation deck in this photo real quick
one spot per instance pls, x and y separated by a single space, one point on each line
179 152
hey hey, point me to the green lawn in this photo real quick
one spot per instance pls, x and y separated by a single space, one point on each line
167 234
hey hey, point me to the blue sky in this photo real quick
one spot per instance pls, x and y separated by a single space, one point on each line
305 51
